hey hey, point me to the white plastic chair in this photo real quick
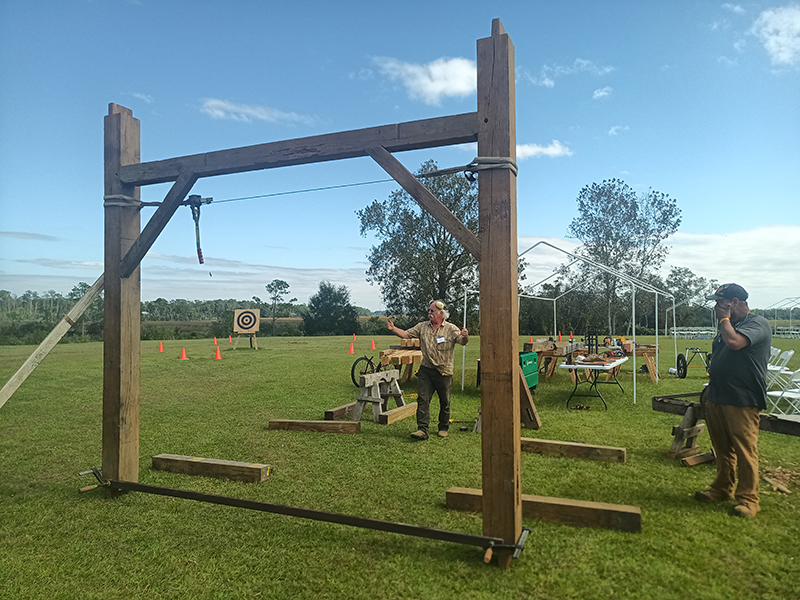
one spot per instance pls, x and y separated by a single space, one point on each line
788 396
774 353
777 374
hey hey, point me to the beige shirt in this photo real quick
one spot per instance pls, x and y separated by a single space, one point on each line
437 345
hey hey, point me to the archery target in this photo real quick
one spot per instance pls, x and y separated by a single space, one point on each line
246 320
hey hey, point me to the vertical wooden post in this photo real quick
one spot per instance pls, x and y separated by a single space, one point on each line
122 302
497 194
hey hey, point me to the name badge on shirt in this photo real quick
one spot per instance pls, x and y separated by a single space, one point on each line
440 339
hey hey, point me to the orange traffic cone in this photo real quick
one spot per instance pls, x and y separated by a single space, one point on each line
559 335
351 351
354 337
218 357
531 339
230 341
373 345
215 340
183 354
570 336
160 346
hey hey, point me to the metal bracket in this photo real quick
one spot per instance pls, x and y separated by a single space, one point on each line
101 482
518 547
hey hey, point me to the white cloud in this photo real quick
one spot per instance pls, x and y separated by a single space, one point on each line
556 148
779 30
146 98
548 73
734 8
728 62
442 78
768 275
617 129
602 93
224 109
56 263
27 235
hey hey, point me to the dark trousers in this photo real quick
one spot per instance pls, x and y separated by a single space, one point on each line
430 381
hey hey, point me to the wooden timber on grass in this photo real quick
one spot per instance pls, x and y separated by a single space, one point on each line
578 513
396 414
211 467
345 410
678 404
573 450
316 426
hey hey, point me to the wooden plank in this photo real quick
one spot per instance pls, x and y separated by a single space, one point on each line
18 378
573 450
578 513
426 199
122 302
395 137
211 467
499 351
527 409
699 459
371 379
678 404
340 411
316 426
396 414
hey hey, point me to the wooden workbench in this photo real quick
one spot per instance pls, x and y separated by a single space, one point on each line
407 353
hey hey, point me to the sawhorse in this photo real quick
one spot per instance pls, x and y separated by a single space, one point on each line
377 389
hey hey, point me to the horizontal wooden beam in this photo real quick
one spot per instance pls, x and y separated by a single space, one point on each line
677 405
573 450
317 426
396 414
212 467
397 137
558 510
345 410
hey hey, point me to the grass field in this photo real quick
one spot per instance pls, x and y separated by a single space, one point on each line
57 543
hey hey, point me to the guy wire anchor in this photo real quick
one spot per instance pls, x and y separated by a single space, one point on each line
100 481
518 547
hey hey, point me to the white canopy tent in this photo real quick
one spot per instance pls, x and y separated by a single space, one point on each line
632 281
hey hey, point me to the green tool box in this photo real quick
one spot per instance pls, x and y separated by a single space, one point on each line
529 362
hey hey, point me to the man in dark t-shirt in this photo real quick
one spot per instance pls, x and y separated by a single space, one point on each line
735 397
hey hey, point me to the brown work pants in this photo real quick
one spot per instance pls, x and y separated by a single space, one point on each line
734 434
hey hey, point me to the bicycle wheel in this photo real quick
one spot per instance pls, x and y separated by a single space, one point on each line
362 366
681 366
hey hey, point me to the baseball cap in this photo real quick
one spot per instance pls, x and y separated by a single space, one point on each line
729 291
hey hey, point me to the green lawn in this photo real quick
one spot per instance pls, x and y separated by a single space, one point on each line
57 543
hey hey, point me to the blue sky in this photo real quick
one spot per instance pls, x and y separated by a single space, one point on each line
698 100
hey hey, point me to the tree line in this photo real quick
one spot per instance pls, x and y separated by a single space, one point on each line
417 261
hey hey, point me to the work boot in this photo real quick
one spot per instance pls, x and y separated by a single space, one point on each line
745 510
419 435
442 433
709 496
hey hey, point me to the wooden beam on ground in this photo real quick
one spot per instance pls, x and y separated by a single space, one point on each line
397 414
426 199
18 378
396 137
499 351
211 467
678 404
573 450
578 513
698 459
122 301
345 410
316 426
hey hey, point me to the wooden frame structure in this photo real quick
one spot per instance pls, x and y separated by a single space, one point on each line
493 126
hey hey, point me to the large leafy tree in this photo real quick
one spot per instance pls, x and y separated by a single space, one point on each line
417 260
330 312
623 231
